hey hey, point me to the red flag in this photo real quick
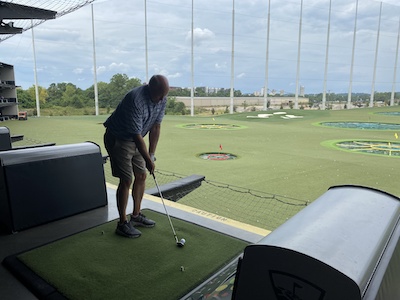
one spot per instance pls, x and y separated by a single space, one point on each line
220 146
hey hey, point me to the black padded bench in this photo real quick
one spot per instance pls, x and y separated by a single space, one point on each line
6 140
33 146
177 189
17 138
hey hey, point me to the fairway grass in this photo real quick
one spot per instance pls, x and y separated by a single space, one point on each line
287 157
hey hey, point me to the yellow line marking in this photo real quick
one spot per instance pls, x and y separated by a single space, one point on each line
205 214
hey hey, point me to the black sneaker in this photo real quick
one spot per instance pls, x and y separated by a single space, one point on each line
142 221
127 230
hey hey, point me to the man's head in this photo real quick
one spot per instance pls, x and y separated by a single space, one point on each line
159 87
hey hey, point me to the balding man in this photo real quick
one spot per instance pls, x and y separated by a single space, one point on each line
139 113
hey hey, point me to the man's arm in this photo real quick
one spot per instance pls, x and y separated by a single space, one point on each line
154 135
141 146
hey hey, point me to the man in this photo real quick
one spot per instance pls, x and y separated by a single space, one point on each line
140 112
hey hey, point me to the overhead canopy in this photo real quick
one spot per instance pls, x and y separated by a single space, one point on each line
21 15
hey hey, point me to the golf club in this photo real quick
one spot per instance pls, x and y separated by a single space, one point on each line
180 243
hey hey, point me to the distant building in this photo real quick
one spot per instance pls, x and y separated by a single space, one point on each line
8 93
301 91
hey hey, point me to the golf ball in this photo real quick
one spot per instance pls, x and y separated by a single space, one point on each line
183 241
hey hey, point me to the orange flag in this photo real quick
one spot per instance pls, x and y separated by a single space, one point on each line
220 146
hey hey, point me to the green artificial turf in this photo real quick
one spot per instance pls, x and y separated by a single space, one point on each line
98 264
287 157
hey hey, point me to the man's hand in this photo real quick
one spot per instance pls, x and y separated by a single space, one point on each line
141 146
150 166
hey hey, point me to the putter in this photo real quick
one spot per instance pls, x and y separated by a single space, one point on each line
180 243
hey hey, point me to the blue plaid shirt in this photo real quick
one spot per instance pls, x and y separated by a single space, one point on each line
135 114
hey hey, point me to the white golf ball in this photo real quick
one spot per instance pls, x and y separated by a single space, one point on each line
183 241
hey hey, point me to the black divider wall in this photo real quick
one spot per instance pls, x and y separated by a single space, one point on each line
49 183
5 139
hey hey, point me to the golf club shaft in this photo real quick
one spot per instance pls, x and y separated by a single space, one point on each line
166 211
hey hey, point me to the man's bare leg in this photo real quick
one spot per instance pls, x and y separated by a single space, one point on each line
139 185
122 198
139 219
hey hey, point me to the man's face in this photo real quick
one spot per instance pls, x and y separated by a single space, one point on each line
157 96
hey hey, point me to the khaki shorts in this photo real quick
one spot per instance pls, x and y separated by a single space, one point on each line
125 158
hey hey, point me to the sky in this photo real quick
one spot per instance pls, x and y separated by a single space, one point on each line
64 46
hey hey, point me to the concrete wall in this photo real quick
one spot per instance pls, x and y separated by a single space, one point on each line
239 101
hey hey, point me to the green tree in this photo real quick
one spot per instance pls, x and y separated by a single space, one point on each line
179 92
379 96
174 107
237 93
24 99
104 94
77 101
71 96
119 85
55 92
42 94
133 82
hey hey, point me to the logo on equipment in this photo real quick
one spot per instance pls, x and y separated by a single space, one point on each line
287 286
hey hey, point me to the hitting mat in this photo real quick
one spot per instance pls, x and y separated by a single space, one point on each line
98 264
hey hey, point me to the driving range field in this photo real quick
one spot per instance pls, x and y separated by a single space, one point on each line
291 156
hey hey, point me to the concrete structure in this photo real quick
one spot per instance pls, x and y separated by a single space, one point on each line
8 93
241 101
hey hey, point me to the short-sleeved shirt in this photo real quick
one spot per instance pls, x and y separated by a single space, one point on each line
135 114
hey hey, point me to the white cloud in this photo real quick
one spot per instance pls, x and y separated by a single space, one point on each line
118 67
101 70
219 66
200 35
78 70
176 75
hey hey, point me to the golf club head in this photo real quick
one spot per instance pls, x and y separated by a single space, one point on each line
181 243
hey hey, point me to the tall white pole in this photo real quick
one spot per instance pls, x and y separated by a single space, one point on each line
192 73
296 101
395 67
327 56
267 58
352 59
96 93
232 56
371 102
35 74
145 40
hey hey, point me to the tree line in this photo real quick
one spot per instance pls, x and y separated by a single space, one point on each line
357 98
67 94
111 93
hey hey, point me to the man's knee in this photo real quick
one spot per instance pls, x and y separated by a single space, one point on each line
126 183
140 177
